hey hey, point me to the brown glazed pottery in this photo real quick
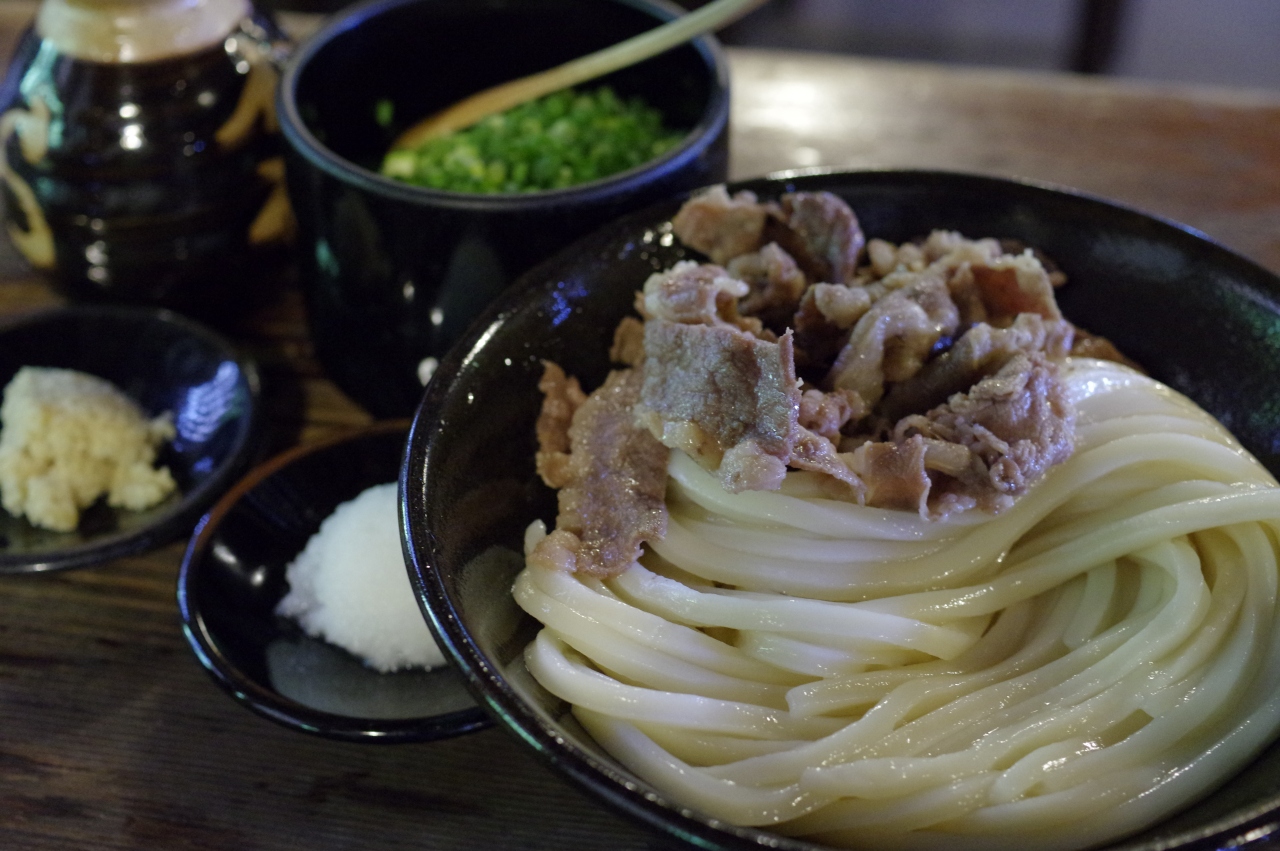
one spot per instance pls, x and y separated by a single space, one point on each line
139 155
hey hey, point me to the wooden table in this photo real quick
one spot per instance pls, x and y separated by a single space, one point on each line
112 736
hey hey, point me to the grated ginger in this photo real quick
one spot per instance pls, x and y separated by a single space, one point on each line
67 438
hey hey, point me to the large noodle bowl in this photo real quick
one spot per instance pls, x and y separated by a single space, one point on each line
1056 673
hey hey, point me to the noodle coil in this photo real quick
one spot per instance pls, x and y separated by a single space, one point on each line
1058 675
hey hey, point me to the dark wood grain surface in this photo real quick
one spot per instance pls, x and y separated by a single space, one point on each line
112 736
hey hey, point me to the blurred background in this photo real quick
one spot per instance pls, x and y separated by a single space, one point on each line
1212 42
1223 42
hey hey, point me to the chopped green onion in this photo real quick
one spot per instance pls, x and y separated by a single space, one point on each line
563 139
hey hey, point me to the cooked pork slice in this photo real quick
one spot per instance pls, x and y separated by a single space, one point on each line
708 388
894 338
1017 423
821 232
776 284
980 351
720 226
614 482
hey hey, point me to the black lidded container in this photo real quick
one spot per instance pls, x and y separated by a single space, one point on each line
141 160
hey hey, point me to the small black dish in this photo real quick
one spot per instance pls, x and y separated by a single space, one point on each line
233 575
1197 316
164 362
394 273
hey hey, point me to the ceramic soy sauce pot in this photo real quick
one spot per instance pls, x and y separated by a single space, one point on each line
139 152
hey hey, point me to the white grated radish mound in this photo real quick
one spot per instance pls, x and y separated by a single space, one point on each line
349 587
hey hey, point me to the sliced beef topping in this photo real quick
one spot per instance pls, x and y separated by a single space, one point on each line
840 305
612 479
898 474
746 466
628 342
719 226
709 388
818 454
934 375
894 474
894 338
776 284
1017 423
989 286
885 257
822 323
820 231
1013 285
956 248
826 414
696 293
1086 345
982 448
561 398
980 351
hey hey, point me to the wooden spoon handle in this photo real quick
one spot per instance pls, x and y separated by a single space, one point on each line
481 105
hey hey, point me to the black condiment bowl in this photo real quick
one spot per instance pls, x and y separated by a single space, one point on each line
394 273
233 576
1199 317
164 362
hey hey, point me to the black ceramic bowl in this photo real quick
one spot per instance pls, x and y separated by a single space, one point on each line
1199 317
395 273
164 363
233 575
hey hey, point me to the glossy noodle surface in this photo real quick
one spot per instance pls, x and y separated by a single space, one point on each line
1063 673
867 544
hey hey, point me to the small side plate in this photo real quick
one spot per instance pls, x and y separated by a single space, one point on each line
164 362
233 575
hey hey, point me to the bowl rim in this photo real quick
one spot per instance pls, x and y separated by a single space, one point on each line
267 702
644 803
178 518
304 143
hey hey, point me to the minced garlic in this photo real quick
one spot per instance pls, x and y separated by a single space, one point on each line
67 438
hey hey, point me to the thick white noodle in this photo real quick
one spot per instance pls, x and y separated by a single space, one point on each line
1053 677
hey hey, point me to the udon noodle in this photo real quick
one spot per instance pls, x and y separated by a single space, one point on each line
1053 676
